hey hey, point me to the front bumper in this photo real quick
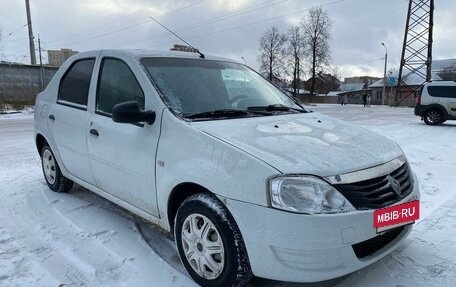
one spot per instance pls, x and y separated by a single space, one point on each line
308 248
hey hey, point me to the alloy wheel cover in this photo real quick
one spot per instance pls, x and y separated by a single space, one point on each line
49 166
203 246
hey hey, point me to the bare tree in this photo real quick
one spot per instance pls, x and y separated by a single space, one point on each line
335 71
272 44
317 33
295 51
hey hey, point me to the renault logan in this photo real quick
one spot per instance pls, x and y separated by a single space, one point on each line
248 180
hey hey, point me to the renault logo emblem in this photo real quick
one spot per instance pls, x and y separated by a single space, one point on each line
395 185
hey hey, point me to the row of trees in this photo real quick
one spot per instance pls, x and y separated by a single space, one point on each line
307 42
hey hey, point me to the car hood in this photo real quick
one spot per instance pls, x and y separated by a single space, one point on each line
310 143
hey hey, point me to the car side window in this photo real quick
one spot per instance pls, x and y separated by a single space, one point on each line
75 84
442 91
116 84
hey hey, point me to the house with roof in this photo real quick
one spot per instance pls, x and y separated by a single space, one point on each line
440 70
353 91
413 81
354 87
351 88
324 83
445 69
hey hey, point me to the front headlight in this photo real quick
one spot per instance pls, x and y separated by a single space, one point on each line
306 194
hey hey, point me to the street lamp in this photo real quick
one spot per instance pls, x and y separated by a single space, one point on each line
384 75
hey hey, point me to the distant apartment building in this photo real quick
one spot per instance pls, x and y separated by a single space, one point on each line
57 57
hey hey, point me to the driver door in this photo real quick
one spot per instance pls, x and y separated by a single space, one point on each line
123 155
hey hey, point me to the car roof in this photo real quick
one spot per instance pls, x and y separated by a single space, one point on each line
150 53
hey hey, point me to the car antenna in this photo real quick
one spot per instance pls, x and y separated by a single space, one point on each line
201 54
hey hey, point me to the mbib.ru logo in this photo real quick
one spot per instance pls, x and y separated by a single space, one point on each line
402 213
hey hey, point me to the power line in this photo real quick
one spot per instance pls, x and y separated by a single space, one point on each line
256 22
180 9
211 20
17 30
368 61
59 41
15 40
240 12
198 24
112 32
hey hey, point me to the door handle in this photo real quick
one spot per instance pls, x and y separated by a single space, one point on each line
94 132
52 117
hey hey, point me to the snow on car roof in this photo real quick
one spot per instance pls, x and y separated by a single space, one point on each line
143 53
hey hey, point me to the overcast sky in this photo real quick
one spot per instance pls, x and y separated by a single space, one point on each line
228 28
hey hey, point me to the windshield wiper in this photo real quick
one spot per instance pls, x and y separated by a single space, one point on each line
299 104
225 113
276 108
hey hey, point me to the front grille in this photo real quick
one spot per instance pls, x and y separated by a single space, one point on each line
380 191
368 247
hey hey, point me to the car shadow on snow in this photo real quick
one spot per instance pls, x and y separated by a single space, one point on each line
162 242
254 282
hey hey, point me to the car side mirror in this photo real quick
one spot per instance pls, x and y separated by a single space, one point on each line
129 112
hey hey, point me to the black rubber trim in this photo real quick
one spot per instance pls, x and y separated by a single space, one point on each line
370 246
72 106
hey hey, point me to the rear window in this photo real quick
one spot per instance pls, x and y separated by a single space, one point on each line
442 91
74 86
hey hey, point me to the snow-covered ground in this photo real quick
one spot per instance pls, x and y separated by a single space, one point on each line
81 239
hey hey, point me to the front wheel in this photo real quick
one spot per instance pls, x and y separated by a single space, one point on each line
433 117
54 178
210 244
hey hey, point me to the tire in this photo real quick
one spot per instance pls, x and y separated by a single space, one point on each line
203 221
51 171
433 117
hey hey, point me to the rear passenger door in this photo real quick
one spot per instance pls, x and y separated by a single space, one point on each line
445 95
68 118
123 155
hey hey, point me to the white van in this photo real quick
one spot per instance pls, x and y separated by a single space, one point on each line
437 102
249 181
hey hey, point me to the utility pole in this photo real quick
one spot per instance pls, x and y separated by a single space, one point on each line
416 56
41 64
31 43
384 75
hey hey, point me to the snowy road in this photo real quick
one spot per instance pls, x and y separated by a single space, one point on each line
80 239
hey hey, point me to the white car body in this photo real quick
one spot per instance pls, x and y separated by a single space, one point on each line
139 166
437 102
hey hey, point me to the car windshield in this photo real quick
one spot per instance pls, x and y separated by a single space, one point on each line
209 89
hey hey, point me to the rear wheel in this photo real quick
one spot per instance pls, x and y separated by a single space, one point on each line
433 117
54 178
210 244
